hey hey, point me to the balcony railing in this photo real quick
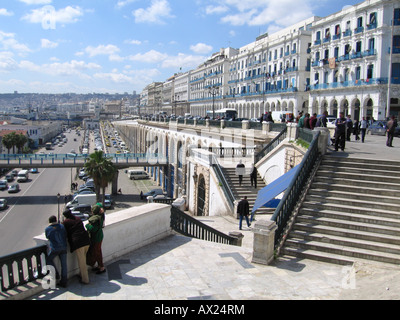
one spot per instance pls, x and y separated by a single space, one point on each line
22 267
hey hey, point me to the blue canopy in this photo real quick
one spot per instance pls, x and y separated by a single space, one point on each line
266 196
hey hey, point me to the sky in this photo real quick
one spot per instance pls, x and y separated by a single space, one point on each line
118 46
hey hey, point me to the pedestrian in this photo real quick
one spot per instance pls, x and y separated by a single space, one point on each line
57 237
300 122
141 195
306 122
119 191
243 209
322 120
363 128
240 170
253 176
390 129
95 228
349 127
79 242
356 129
313 121
340 132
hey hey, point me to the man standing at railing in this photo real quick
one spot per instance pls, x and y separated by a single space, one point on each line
57 236
243 209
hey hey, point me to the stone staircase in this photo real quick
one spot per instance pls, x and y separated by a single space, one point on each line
351 212
246 189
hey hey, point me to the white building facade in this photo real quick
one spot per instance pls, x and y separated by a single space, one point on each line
351 61
337 63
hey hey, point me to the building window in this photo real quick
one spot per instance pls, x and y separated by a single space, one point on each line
358 73
370 71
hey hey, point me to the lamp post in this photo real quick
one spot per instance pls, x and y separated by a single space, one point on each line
213 91
58 204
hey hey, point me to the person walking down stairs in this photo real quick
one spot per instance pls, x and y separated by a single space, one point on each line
240 171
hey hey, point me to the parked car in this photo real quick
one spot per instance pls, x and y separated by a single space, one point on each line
10 178
34 170
82 208
3 184
3 204
378 128
154 193
14 188
108 201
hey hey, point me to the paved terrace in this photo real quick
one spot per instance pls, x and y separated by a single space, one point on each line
188 269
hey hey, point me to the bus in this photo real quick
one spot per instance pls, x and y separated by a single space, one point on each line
48 146
223 114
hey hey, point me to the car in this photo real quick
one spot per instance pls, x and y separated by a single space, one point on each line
154 193
3 184
14 173
10 178
84 191
82 208
108 201
3 204
34 170
377 128
14 188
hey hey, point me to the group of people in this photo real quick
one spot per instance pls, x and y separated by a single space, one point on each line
85 242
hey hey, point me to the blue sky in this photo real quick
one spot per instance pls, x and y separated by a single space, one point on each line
83 46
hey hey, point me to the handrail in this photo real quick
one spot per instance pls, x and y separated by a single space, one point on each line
225 185
270 146
22 267
289 200
189 226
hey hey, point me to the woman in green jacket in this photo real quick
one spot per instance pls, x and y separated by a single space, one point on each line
95 229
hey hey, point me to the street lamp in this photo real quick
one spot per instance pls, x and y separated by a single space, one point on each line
213 91
58 204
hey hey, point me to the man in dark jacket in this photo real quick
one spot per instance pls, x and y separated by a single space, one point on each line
340 132
243 209
390 127
79 241
57 237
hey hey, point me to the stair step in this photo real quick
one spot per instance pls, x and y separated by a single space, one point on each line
348 209
355 176
346 232
317 255
345 241
376 171
344 224
355 182
366 215
352 202
375 162
330 186
395 200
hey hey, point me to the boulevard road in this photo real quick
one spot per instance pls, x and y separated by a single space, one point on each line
29 209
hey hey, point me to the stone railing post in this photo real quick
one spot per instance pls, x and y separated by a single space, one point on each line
263 244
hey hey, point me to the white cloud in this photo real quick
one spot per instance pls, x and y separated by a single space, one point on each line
151 56
7 62
66 15
8 42
281 13
109 49
201 48
48 44
5 12
135 42
216 9
158 10
121 4
72 68
30 2
183 61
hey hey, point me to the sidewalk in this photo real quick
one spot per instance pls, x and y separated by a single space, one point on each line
189 269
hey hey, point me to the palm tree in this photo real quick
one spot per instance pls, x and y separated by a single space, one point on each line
9 140
101 170
20 142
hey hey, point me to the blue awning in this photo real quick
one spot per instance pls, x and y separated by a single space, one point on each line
266 196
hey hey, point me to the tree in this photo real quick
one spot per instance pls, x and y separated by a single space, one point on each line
101 170
10 140
20 142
